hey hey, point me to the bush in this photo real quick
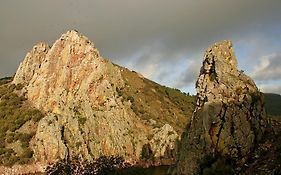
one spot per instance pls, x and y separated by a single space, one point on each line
82 120
24 137
131 99
2 143
10 138
37 115
24 145
2 151
14 127
102 166
146 152
19 86
28 153
22 160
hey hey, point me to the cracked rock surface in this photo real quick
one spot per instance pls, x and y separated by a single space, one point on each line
85 116
229 118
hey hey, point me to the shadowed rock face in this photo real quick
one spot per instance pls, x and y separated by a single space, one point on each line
229 118
85 115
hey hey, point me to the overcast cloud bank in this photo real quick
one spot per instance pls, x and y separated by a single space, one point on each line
164 40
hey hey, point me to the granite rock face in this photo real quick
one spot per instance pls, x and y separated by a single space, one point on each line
31 63
229 118
77 90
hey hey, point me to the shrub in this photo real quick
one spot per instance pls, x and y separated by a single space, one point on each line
37 115
2 151
22 160
28 153
19 121
102 166
2 143
24 145
14 127
24 137
10 138
82 120
146 152
131 99
19 86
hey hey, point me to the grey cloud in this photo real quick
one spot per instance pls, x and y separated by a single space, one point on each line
188 77
269 68
270 88
143 35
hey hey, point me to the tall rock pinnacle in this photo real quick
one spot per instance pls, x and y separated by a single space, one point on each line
86 113
31 63
229 118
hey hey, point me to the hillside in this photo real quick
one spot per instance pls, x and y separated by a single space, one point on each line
68 106
18 121
272 104
66 101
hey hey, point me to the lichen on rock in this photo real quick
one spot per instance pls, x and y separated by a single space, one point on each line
229 118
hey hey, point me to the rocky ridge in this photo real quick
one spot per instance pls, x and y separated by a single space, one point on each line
85 114
229 118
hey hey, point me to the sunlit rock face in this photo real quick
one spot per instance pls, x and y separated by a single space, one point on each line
85 116
229 118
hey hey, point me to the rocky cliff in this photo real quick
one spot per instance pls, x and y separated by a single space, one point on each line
93 107
229 117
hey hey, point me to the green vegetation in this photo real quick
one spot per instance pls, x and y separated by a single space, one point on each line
5 80
213 76
273 104
146 153
162 104
15 112
104 165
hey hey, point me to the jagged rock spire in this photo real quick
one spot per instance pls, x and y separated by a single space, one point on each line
86 113
31 63
229 118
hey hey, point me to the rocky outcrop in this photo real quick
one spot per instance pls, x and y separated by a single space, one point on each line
31 63
85 115
229 118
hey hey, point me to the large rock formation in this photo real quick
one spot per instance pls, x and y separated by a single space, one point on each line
31 63
229 118
86 116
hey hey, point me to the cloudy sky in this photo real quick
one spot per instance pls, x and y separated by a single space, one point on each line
162 39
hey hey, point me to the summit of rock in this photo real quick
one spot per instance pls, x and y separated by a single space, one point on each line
229 118
95 108
32 62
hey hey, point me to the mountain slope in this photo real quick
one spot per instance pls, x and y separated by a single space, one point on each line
272 104
67 102
18 123
91 107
